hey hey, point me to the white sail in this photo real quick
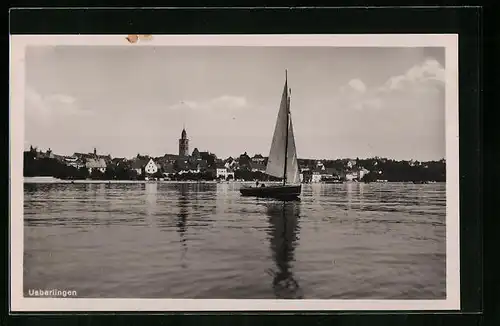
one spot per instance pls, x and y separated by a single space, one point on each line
276 161
292 165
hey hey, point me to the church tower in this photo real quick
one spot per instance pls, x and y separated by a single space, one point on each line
183 144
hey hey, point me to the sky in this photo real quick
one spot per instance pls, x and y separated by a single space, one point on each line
345 102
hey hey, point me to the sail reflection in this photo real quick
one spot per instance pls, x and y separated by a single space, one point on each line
284 218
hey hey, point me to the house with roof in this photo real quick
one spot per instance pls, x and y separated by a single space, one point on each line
258 166
361 172
211 158
47 154
198 166
316 175
145 166
83 156
329 173
258 158
169 158
93 164
351 163
320 166
356 174
168 169
119 161
138 165
196 155
151 167
181 165
230 163
106 158
244 161
222 172
74 161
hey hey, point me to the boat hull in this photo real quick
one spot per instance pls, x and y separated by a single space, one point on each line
274 191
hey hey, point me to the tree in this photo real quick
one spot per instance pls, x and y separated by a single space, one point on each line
83 173
110 172
158 174
96 174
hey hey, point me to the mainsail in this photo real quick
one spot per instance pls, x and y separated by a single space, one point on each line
283 152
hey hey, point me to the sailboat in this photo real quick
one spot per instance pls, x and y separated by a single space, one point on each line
282 162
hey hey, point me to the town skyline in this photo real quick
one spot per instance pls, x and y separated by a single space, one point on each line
44 150
346 102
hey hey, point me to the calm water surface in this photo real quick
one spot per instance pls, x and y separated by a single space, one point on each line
161 240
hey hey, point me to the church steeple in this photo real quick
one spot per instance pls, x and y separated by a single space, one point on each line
183 144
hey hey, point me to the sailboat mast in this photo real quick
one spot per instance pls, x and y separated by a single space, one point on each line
287 126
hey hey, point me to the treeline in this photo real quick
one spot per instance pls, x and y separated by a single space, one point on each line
403 172
34 167
48 167
390 170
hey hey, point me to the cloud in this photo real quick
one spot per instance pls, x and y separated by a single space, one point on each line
357 85
51 106
356 95
425 78
225 102
429 74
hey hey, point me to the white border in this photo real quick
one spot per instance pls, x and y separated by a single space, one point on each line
17 74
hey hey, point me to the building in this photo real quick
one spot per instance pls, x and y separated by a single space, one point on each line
351 163
362 172
119 161
93 156
138 164
258 166
151 167
196 156
181 165
244 161
316 176
230 163
320 166
221 172
94 164
183 144
198 166
145 165
257 158
305 175
74 161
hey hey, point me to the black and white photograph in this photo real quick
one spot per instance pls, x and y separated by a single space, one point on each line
249 172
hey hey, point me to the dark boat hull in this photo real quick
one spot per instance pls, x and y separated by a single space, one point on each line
274 191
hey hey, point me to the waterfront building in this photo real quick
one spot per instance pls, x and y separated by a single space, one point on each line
96 164
145 166
151 167
221 172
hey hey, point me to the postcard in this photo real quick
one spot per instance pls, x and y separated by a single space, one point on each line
234 172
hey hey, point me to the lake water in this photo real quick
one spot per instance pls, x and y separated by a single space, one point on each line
168 240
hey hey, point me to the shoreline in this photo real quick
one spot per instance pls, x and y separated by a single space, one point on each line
55 180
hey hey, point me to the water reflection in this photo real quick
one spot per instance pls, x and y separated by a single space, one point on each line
151 191
284 218
349 191
182 216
